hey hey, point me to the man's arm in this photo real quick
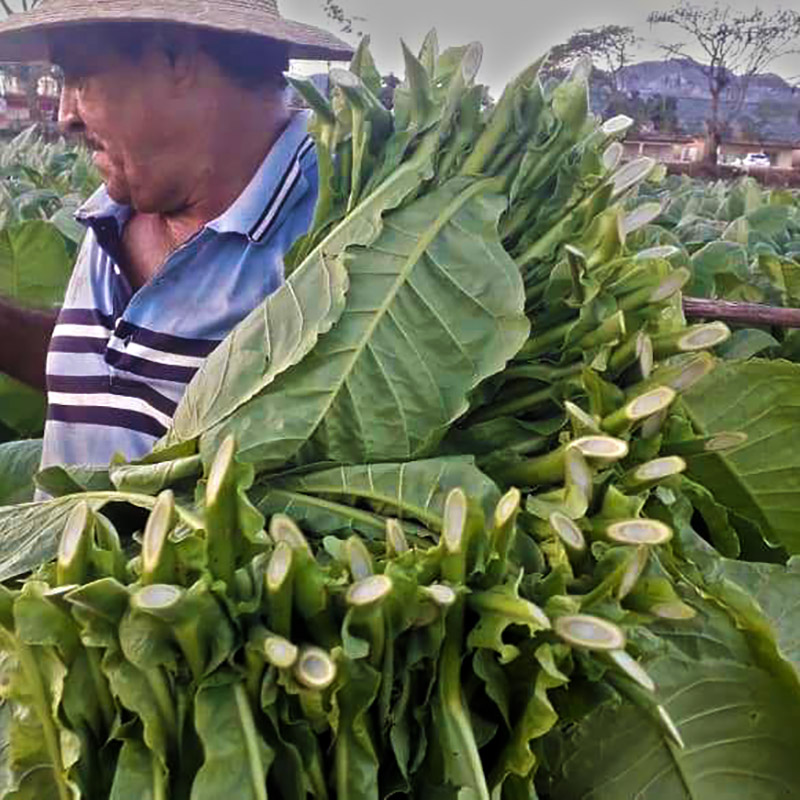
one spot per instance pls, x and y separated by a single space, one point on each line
24 339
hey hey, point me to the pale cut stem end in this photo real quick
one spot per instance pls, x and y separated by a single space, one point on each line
591 633
220 469
658 469
396 542
693 372
676 610
74 530
645 356
605 449
156 531
639 532
359 560
284 529
315 669
280 652
507 506
279 567
632 668
671 285
650 403
157 597
704 337
441 595
725 441
455 520
634 571
369 591
568 532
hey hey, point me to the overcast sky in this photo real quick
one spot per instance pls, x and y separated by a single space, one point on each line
513 32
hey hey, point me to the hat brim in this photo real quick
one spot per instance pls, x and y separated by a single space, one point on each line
23 37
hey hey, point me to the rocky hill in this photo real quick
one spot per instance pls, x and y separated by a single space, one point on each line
771 111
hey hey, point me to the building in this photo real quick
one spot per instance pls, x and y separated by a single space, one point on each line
673 148
15 108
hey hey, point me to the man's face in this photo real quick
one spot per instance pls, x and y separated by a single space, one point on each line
128 115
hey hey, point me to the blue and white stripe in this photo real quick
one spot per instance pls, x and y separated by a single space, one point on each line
120 360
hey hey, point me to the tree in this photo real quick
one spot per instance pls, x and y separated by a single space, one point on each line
609 47
334 11
735 47
655 113
17 6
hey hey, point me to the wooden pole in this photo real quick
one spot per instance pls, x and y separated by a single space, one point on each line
741 313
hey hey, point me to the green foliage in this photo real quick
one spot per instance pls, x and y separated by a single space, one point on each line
41 185
436 519
19 462
759 480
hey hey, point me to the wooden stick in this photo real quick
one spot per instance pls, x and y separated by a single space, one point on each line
741 313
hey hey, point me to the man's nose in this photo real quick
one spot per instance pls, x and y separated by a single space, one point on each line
69 118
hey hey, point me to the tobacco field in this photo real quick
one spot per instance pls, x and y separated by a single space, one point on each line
466 510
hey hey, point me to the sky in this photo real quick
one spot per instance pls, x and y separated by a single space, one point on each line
513 32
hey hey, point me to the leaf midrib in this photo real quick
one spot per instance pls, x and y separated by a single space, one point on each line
411 261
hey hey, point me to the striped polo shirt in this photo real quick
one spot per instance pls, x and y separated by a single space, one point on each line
120 360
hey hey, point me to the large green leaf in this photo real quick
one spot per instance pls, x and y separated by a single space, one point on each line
237 758
717 266
136 773
741 740
276 335
737 719
324 500
34 269
771 220
19 462
435 305
761 479
775 589
281 331
40 750
30 533
34 264
22 408
763 599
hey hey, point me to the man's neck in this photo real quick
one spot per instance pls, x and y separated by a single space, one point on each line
230 164
150 238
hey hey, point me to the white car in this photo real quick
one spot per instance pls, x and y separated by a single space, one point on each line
756 160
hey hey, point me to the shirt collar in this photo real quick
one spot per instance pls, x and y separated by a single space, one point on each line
278 179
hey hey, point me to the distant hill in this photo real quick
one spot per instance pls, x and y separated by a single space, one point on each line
771 112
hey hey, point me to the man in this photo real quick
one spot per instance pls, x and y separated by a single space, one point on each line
208 179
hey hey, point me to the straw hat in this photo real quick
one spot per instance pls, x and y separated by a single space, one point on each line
23 36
